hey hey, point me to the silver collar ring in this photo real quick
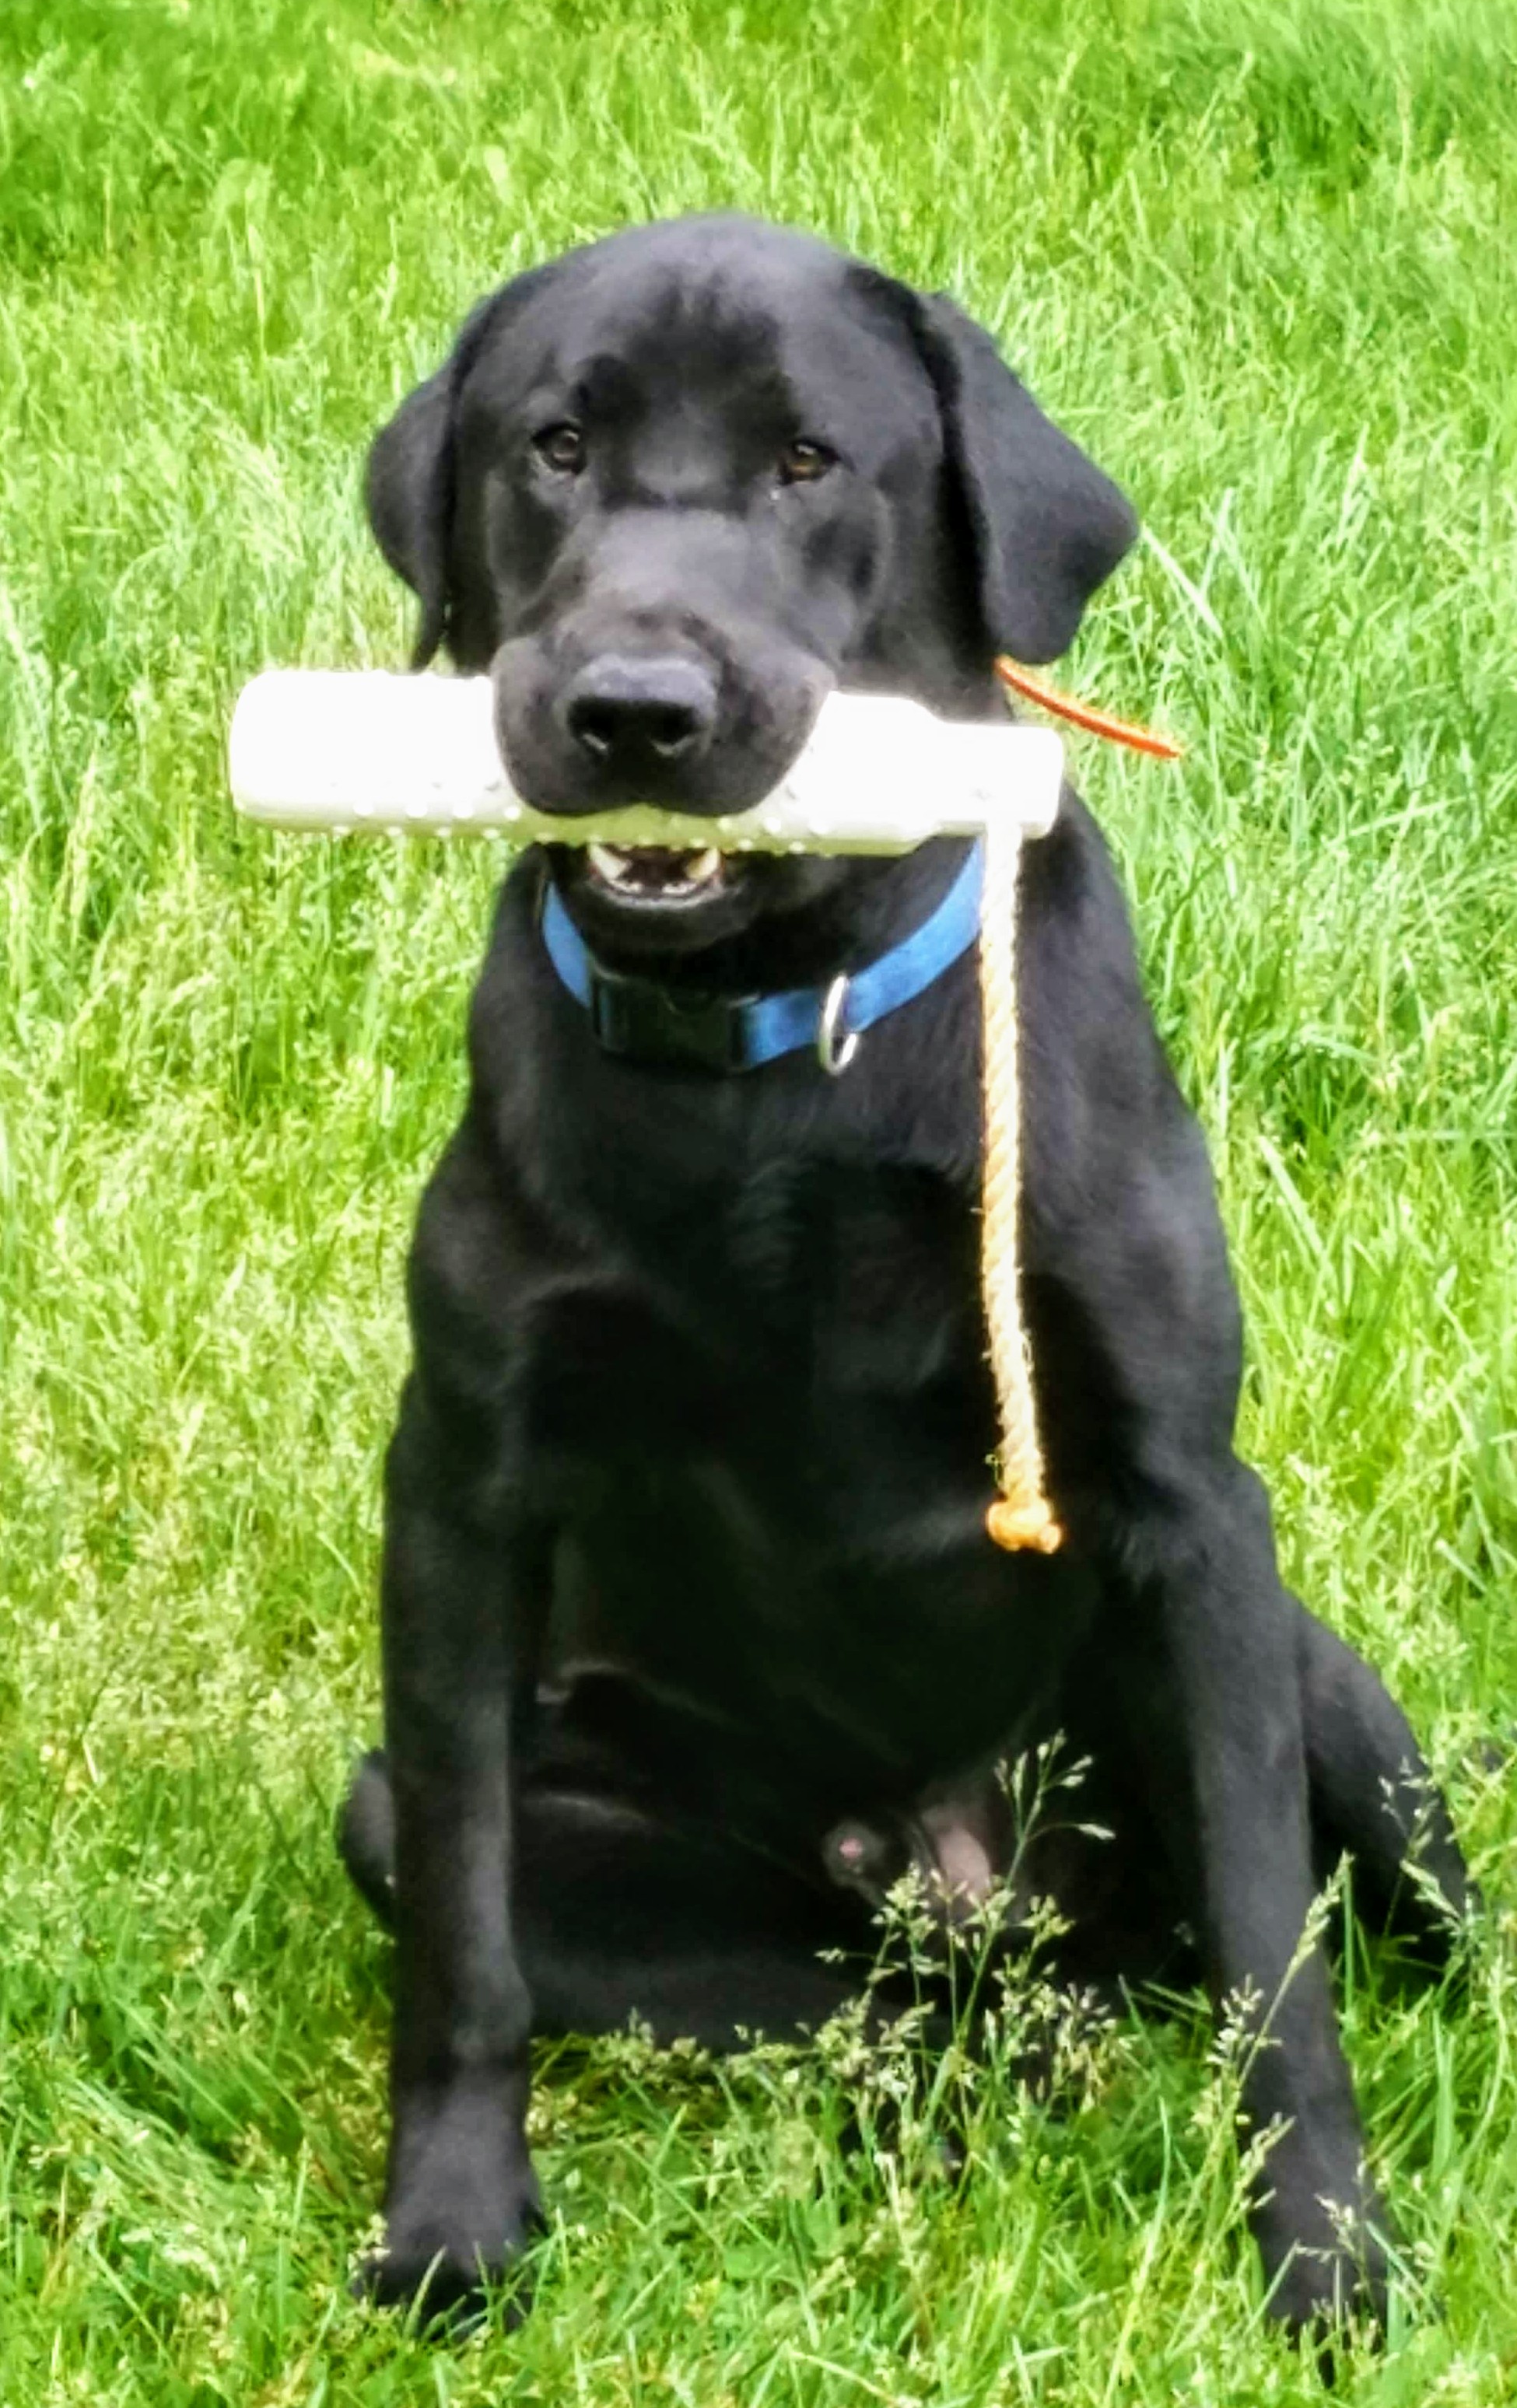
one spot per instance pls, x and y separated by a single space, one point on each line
833 1055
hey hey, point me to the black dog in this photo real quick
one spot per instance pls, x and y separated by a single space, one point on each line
687 1595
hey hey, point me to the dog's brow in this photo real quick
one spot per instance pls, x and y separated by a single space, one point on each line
607 384
716 330
653 378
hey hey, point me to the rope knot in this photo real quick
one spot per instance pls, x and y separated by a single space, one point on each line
1018 1527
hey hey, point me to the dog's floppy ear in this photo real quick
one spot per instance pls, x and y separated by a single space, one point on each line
410 482
409 490
1047 526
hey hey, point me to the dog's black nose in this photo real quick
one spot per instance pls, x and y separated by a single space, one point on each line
633 714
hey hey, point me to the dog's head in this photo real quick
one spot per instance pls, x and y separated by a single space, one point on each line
672 487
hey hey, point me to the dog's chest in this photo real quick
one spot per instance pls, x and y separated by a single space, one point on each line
772 1457
810 1316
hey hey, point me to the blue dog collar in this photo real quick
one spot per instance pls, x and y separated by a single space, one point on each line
645 1022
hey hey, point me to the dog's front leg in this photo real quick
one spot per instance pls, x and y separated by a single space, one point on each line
1137 1340
462 1604
1227 1721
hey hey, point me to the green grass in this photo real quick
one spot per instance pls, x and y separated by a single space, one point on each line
1259 259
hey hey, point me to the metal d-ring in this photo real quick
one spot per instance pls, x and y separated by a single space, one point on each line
835 1058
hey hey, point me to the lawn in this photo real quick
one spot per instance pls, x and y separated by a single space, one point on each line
1259 259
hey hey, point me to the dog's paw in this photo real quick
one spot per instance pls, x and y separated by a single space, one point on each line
445 2264
463 2201
1318 2290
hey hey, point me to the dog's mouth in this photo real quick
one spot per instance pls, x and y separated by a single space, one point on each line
655 873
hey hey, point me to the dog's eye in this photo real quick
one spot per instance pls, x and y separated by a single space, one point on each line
561 447
803 462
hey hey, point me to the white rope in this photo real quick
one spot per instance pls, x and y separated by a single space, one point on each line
1020 1515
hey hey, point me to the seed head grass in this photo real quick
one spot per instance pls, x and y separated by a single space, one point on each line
1258 260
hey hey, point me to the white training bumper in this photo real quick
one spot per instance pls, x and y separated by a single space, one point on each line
369 749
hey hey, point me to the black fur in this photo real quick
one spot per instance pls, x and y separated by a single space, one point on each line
686 1570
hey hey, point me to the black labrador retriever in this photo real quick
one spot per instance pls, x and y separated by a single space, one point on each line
691 1628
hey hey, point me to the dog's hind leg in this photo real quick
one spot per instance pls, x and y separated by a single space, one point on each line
694 1934
366 1835
1371 1793
620 1916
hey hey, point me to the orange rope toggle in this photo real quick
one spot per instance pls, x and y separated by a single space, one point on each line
1084 714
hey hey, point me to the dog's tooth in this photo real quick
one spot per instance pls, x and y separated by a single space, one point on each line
672 876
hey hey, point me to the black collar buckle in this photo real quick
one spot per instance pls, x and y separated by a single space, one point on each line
645 1022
